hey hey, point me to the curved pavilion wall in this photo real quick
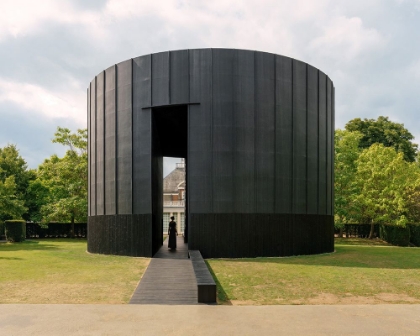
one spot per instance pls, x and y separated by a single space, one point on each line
259 153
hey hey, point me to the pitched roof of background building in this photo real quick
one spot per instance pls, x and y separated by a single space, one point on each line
174 180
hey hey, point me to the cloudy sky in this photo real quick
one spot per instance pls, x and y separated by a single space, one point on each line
51 49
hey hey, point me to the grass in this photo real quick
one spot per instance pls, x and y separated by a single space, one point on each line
61 271
360 271
361 241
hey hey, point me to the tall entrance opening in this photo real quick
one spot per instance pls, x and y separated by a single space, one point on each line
170 139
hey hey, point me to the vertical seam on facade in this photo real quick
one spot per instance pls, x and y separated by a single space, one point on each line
187 206
189 82
116 138
169 77
132 137
275 137
292 205
306 131
326 147
151 134
255 136
211 134
104 143
234 131
96 148
318 147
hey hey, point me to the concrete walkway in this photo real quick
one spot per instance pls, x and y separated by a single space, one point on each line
209 320
169 278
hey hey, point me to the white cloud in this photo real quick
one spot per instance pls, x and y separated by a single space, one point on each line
347 39
414 69
70 104
20 18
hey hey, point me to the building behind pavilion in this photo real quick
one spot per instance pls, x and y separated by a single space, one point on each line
174 197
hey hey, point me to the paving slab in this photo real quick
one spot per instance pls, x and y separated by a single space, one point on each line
206 320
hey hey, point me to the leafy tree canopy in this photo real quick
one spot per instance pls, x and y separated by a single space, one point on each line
65 179
385 132
387 184
347 152
13 165
10 205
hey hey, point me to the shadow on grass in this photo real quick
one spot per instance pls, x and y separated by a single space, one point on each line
27 245
11 258
350 256
222 297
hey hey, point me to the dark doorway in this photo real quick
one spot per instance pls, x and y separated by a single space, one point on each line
170 139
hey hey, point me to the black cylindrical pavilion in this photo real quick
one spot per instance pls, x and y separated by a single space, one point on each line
256 130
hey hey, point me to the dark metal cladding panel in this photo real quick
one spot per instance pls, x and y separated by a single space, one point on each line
120 234
244 132
179 77
330 147
255 235
284 134
124 137
200 133
142 80
89 144
110 158
160 79
285 239
299 137
201 69
322 137
142 135
223 130
265 122
157 200
100 144
93 148
312 140
200 159
142 235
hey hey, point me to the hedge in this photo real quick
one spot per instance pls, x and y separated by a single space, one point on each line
414 234
15 230
395 235
2 234
55 230
357 230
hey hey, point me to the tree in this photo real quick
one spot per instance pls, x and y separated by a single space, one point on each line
10 205
347 152
387 184
65 179
13 165
386 132
37 197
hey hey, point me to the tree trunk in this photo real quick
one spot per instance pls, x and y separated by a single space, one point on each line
341 232
372 229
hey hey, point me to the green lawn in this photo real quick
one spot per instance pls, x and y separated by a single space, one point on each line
61 271
360 271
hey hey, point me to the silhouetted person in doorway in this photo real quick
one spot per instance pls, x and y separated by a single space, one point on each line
172 233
